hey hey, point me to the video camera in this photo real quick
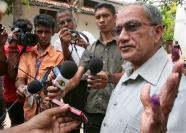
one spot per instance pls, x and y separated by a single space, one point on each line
24 38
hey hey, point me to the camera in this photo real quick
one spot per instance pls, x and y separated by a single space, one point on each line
74 35
24 38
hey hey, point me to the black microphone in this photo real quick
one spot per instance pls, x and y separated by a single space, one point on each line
67 71
95 65
33 87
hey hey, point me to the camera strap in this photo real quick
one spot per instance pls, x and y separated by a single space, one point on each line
84 36
37 66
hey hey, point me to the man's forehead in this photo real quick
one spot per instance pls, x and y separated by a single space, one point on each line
131 12
131 9
64 14
102 10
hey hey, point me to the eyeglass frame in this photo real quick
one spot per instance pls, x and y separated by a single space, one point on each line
133 29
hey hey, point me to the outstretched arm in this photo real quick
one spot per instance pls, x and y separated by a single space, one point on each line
52 120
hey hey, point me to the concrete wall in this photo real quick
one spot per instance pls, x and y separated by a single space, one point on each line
88 23
84 22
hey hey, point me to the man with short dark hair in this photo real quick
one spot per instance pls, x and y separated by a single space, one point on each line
36 63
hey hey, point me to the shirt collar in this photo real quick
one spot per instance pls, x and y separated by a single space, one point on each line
149 71
100 40
47 51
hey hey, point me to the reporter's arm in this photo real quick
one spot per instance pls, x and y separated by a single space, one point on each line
73 82
3 38
65 37
22 128
52 120
20 85
2 60
22 75
12 60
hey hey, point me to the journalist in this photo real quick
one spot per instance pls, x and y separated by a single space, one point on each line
34 64
71 41
13 50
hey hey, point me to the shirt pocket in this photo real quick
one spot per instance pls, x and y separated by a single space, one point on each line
116 65
130 129
132 124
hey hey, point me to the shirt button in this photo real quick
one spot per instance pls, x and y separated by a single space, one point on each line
125 83
104 124
115 104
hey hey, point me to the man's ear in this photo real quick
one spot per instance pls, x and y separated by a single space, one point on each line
158 33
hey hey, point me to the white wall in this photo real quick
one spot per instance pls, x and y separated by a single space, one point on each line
88 23
180 28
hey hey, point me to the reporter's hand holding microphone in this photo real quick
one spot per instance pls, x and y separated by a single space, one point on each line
66 71
97 79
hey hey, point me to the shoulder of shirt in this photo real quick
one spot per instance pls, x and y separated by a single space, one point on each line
56 53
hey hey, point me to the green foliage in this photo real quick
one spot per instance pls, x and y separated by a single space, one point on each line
169 15
168 10
11 2
10 6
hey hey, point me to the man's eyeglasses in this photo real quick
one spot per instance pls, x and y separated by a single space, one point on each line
69 20
131 26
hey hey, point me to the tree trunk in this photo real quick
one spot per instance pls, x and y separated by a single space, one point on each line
17 10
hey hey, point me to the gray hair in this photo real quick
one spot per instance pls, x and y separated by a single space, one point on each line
152 12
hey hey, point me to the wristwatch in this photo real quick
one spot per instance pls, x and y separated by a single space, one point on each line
109 80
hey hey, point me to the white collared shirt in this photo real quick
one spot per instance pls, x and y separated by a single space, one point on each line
125 108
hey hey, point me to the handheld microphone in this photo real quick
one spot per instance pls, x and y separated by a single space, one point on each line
95 65
67 71
33 87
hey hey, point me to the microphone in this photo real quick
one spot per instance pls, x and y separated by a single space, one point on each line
33 87
95 65
67 71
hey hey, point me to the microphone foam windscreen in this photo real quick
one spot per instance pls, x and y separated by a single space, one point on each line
68 69
95 65
34 86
